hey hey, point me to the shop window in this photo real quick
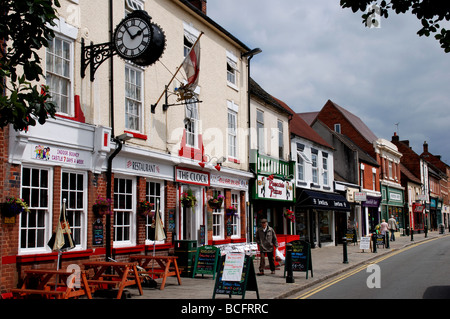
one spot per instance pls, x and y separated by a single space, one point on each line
73 186
35 190
154 194
123 210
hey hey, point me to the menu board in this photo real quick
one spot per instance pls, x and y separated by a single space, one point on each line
206 261
246 282
364 243
301 257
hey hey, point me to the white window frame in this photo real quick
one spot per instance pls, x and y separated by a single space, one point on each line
152 198
192 126
136 98
235 220
232 70
46 210
315 168
232 130
260 132
218 219
280 125
325 170
83 210
67 33
130 210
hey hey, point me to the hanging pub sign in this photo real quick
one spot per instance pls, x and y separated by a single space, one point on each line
272 188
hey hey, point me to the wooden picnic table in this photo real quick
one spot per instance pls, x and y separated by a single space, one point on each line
52 283
126 274
166 266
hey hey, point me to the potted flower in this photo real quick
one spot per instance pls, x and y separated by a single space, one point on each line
146 207
232 211
102 206
13 207
290 215
188 199
216 201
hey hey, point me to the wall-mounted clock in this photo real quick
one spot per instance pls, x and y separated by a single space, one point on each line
137 39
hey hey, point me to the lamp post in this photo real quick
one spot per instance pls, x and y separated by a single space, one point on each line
249 55
119 140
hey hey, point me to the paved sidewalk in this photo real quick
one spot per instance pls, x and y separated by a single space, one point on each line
326 262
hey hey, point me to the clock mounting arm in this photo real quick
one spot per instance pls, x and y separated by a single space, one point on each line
94 55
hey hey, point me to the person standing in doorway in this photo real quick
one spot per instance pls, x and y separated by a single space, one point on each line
392 227
266 240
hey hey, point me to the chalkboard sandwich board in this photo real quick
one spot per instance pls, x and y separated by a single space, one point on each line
301 257
236 275
206 261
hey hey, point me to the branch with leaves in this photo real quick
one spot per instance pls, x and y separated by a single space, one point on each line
429 12
25 29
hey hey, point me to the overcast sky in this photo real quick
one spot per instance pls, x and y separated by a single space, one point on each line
314 51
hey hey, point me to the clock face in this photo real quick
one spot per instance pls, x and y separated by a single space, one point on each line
132 37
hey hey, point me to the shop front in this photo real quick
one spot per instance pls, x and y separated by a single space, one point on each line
417 217
392 204
317 215
370 214
273 195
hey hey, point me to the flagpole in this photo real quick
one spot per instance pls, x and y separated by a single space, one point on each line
178 70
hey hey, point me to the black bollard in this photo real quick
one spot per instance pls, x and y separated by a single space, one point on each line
288 264
386 241
426 231
344 245
374 238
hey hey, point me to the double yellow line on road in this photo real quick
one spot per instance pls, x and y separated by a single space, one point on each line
356 270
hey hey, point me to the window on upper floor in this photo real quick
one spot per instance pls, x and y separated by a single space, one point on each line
260 130
190 37
325 168
232 69
232 133
337 128
391 176
280 140
59 75
191 123
315 166
133 98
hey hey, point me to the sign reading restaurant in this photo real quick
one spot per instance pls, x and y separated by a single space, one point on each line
190 176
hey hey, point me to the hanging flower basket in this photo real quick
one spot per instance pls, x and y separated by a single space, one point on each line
289 215
146 208
216 201
12 208
232 211
102 206
188 199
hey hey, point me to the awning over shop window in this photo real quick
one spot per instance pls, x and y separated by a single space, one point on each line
323 201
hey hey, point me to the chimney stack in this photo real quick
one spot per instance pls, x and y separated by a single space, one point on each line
395 138
425 147
199 4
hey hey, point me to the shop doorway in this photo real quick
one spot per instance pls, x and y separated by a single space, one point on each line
191 217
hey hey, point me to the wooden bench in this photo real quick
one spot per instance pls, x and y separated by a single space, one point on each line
58 294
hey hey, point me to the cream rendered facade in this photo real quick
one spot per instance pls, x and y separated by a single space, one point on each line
79 144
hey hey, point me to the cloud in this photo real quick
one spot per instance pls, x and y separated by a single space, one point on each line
314 51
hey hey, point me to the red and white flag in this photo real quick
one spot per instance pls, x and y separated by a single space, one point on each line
191 66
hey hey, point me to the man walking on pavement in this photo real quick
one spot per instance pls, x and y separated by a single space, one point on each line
266 240
392 225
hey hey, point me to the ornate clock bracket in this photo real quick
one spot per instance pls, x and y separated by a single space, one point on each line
94 55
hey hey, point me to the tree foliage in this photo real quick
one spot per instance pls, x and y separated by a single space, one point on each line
24 29
429 12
